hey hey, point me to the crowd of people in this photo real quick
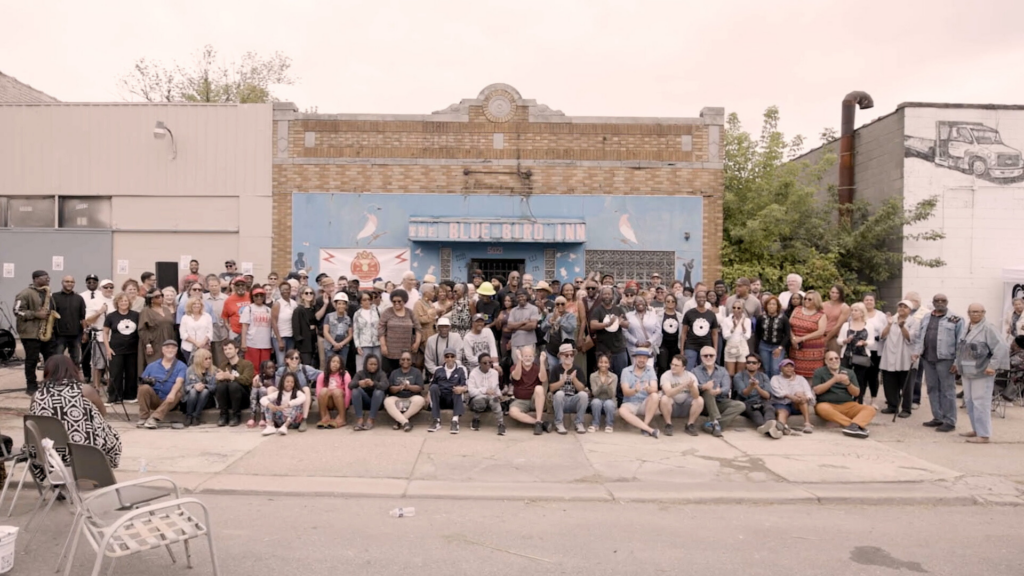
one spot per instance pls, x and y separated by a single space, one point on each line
510 347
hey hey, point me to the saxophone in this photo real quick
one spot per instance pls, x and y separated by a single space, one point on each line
46 328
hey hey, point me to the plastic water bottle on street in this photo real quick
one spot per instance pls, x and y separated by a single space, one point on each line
402 512
142 467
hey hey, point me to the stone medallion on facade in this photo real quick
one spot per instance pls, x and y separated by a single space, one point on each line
500 106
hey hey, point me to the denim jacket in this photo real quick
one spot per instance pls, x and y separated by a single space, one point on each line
191 379
950 330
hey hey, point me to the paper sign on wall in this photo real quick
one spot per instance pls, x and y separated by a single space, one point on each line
185 260
58 263
8 269
122 266
246 267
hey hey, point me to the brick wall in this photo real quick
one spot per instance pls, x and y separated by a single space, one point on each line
430 153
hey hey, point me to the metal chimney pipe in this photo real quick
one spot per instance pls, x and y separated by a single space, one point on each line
846 172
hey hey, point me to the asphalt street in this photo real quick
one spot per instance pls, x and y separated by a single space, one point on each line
315 535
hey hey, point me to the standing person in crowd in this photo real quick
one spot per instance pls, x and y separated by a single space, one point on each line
282 406
715 387
512 287
365 322
878 321
795 303
487 305
412 295
338 329
791 394
680 396
425 313
721 290
398 331
281 321
918 312
644 329
193 290
751 306
447 386
773 334
935 344
436 345
523 321
238 299
794 283
753 387
196 328
304 325
192 276
121 336
836 313
507 304
479 341
485 393
148 282
700 330
529 391
333 393
67 331
156 325
640 398
167 375
131 288
736 331
837 390
854 336
200 384
566 384
274 292
255 329
216 299
560 326
460 316
405 393
604 385
896 348
31 309
368 388
980 352
607 323
229 274
808 326
90 296
671 321
1013 325
234 382
96 309
170 301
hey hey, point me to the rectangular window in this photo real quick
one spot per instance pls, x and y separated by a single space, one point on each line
84 212
636 265
34 212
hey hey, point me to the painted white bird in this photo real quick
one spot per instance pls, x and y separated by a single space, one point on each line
430 270
576 269
627 229
419 251
559 254
563 273
573 256
369 228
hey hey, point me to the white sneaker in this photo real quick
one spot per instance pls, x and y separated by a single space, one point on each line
135 401
267 431
592 429
283 430
608 429
560 428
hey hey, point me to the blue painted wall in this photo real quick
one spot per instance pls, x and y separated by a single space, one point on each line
382 221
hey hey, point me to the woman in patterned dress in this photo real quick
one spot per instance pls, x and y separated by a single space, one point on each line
807 326
63 396
460 316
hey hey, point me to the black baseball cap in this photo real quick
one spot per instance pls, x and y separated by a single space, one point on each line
92 277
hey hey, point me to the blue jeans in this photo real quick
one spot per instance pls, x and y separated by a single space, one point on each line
597 406
941 390
361 397
367 351
330 352
620 362
978 394
769 363
289 343
692 359
196 401
576 404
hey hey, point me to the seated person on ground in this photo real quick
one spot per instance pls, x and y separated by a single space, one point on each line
715 388
368 389
791 394
265 379
485 393
640 396
837 390
282 406
568 390
529 381
446 390
333 393
234 382
752 387
164 386
680 396
405 393
604 385
305 375
200 384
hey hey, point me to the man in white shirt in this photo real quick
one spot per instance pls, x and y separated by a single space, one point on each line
484 393
436 345
479 341
97 305
409 285
92 290
216 300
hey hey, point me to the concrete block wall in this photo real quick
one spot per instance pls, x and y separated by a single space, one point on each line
430 153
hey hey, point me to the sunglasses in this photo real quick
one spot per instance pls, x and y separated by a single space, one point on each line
559 303
192 290
449 355
397 301
405 360
753 361
307 293
591 288
292 358
707 355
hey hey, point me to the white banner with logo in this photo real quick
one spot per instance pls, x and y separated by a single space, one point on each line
365 263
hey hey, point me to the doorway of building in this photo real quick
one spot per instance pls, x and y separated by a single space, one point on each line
496 267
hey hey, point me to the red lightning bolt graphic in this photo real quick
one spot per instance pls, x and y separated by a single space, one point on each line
329 258
401 257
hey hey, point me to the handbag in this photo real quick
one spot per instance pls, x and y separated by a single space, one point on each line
588 343
860 360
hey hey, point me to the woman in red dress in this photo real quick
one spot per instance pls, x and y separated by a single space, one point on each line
807 325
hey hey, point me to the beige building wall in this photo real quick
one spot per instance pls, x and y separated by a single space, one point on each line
208 195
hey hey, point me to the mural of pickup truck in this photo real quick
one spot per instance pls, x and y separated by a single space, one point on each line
969 147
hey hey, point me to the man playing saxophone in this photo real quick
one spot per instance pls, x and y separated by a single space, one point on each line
32 309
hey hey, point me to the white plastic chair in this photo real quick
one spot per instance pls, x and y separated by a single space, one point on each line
146 528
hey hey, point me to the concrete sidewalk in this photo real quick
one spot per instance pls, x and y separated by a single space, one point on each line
902 463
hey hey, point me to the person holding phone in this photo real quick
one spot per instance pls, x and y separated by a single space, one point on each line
565 382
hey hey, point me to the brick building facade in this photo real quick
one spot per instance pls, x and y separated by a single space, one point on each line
427 186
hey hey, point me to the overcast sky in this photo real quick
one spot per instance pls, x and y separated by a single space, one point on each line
584 57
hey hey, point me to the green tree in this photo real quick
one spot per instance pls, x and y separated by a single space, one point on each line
207 79
781 217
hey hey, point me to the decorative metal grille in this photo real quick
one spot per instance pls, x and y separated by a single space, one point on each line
549 264
446 264
632 264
